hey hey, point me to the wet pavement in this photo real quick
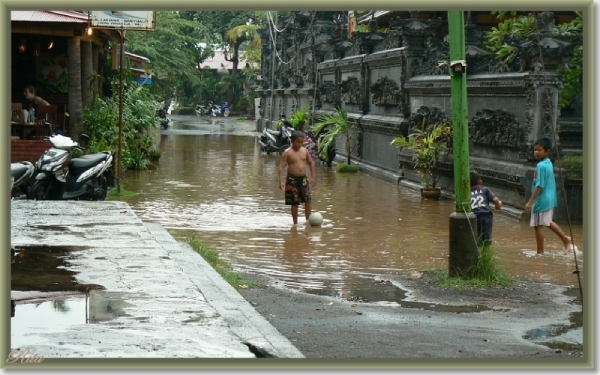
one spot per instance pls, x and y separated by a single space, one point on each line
90 279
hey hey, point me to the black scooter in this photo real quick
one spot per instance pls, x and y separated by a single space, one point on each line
276 140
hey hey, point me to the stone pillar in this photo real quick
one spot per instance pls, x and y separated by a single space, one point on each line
542 113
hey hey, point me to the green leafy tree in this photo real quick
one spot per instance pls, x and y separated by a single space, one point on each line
526 25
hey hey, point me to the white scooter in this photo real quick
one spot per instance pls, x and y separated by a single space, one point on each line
62 177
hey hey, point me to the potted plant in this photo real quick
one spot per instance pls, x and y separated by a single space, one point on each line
428 144
154 154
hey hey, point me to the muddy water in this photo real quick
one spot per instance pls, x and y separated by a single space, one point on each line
213 182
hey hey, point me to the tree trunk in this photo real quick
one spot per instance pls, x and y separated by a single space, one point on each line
87 69
74 76
96 83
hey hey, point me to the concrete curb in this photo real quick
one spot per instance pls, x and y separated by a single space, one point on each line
255 331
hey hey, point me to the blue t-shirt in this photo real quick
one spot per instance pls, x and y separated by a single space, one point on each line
544 178
481 197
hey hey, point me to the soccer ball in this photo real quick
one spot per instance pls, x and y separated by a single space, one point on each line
315 219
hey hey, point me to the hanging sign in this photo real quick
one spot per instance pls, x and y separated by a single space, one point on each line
124 19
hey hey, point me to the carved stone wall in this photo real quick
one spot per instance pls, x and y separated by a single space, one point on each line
388 81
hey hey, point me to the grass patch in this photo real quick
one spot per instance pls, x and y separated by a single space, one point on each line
346 168
221 266
113 193
484 274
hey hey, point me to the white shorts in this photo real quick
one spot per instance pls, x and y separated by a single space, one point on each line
541 218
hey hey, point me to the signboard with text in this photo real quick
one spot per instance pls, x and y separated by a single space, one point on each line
123 19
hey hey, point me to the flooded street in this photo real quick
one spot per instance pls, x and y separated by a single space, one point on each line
212 181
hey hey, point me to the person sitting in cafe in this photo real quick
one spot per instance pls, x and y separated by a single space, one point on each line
31 96
34 102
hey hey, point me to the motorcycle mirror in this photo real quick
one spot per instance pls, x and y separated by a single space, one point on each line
49 126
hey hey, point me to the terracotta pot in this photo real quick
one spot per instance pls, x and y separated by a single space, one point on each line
431 193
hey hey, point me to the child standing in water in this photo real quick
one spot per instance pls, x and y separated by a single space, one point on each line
543 199
296 184
481 197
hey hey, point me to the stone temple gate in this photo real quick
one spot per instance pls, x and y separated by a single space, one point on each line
390 81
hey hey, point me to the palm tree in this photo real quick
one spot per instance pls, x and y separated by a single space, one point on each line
74 77
238 35
339 125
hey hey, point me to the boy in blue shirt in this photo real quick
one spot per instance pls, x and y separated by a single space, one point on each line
543 199
481 197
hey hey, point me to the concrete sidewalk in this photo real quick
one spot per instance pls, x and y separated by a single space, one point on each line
173 303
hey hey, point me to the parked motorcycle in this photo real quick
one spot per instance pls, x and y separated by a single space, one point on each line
62 177
203 109
20 174
276 140
219 110
162 117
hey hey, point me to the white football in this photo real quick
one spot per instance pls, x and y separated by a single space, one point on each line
315 219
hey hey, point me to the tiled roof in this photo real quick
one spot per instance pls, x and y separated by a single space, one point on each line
48 16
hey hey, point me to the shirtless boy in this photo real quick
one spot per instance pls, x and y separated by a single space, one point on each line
295 184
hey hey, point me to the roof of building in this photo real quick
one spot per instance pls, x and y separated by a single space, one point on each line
140 58
49 16
219 58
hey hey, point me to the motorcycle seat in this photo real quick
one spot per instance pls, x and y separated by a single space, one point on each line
87 161
17 170
274 132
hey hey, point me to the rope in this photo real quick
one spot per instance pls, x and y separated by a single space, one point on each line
547 92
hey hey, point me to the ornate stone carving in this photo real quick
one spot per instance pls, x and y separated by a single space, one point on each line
308 72
327 92
555 50
496 128
431 115
391 40
436 62
351 91
385 92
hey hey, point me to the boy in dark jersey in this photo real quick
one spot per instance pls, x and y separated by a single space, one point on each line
481 197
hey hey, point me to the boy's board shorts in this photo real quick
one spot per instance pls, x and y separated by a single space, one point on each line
541 218
297 190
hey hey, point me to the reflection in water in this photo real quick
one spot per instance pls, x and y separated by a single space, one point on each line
221 186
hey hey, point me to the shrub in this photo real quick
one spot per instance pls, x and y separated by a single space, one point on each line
139 119
573 164
346 168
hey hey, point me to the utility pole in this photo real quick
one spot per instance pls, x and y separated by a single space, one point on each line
463 250
273 68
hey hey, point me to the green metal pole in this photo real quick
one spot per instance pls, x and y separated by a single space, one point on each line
460 113
463 252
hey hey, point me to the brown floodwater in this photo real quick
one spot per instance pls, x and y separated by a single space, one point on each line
213 182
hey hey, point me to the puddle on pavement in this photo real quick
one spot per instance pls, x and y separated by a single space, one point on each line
30 321
568 337
43 268
43 289
367 290
33 320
